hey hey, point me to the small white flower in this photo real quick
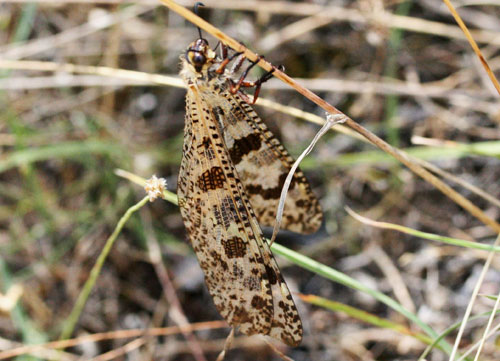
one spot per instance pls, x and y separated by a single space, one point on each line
154 187
9 300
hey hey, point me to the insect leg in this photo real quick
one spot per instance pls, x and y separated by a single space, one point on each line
234 87
216 46
262 80
241 81
227 59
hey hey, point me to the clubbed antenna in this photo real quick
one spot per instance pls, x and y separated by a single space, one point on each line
195 9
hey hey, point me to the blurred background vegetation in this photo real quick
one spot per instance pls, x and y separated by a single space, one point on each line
401 69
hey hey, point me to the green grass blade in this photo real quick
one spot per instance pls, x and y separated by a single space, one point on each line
339 277
363 316
425 235
73 150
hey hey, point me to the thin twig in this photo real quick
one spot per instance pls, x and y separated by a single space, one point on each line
113 335
122 350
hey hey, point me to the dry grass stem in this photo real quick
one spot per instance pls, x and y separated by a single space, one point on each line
176 313
336 13
113 335
472 42
122 350
473 296
292 31
35 47
383 261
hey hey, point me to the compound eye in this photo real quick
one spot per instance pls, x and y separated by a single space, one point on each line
197 59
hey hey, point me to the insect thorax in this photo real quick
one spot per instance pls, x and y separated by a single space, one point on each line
207 79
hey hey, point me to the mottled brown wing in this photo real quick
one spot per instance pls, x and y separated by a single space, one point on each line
263 165
240 271
286 324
